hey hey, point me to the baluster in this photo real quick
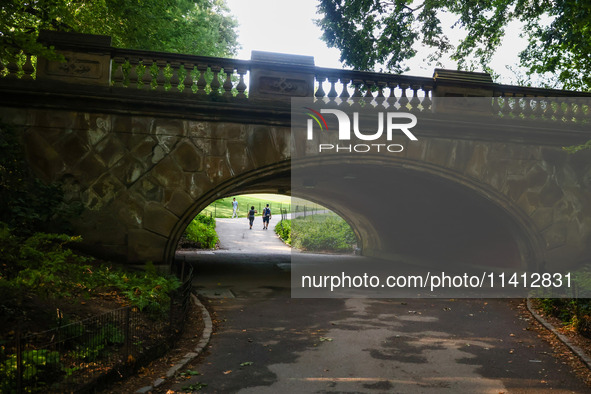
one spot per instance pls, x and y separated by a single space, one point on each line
174 78
147 77
188 81
133 76
506 109
538 112
333 91
118 74
357 83
28 68
496 107
380 99
215 82
160 79
527 106
201 82
427 100
13 70
549 111
392 97
568 110
229 71
558 112
403 100
368 93
414 101
345 92
320 91
241 87
577 110
586 111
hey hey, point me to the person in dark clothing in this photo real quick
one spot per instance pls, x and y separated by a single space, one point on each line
251 214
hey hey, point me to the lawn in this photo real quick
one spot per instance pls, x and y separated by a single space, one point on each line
222 208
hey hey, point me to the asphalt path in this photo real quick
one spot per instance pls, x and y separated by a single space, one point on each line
268 342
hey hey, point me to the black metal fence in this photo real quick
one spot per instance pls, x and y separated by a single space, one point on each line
82 356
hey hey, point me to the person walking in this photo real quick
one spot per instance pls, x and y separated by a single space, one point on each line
266 217
234 208
251 214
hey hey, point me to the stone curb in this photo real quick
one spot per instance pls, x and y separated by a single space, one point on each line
574 348
207 330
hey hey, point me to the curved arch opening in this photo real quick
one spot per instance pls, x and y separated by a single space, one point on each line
433 214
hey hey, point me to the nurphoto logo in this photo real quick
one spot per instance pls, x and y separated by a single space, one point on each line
390 122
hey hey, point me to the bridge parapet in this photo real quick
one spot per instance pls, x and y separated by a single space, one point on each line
92 60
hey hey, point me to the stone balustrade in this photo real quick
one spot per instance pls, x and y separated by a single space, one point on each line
277 78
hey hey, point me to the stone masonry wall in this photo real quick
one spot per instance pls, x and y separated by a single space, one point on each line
136 176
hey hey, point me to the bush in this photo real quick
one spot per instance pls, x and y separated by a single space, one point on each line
201 231
283 229
43 264
39 368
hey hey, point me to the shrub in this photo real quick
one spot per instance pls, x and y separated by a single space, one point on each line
283 229
202 232
39 368
43 264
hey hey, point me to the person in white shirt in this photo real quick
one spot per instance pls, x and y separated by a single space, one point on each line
234 208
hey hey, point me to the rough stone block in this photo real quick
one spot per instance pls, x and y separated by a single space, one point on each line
179 203
550 194
128 170
42 157
188 157
110 150
159 219
72 148
197 184
145 246
239 158
200 129
261 145
168 173
555 235
217 169
230 131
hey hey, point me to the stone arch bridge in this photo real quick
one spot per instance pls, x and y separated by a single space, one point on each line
146 140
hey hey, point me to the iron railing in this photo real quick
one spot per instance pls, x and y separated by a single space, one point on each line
82 356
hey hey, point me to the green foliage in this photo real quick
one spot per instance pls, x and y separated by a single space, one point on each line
318 233
202 231
44 264
577 148
28 204
283 229
372 33
199 27
99 343
39 367
573 312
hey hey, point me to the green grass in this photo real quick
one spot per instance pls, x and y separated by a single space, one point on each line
323 232
222 208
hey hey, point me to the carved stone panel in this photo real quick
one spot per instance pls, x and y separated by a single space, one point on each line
86 68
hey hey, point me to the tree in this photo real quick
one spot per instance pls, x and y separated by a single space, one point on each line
200 27
383 33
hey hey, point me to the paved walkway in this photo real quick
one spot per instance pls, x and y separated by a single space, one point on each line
290 345
235 237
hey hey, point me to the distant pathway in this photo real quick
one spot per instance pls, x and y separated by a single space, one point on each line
235 237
